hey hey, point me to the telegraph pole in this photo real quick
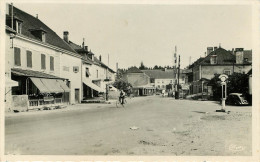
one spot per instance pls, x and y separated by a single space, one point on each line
178 90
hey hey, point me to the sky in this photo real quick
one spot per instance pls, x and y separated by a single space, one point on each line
131 33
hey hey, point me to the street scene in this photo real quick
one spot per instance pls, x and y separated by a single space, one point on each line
139 79
145 126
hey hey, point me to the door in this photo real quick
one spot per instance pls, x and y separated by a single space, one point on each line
77 96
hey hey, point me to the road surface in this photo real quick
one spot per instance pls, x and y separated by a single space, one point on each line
161 126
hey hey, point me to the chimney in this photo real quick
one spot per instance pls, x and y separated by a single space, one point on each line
209 50
7 12
233 52
239 53
36 16
86 48
215 48
100 58
66 36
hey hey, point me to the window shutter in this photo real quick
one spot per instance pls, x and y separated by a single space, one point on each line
17 56
43 61
51 63
29 58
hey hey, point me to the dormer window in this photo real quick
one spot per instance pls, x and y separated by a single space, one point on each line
213 59
19 27
43 37
39 33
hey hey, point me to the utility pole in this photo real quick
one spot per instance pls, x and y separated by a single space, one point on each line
178 90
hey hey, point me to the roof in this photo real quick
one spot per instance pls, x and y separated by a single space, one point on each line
102 64
160 74
134 70
248 55
31 73
196 62
250 72
223 57
32 23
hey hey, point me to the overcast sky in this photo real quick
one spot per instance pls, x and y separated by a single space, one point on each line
131 33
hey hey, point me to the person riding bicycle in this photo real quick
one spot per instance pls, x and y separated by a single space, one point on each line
122 97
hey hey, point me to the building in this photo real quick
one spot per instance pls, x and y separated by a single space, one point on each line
45 67
141 82
96 75
217 61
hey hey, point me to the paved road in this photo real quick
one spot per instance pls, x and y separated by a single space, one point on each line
166 127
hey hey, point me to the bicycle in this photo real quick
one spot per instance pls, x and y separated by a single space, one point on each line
119 103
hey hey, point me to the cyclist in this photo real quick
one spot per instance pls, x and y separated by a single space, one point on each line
122 97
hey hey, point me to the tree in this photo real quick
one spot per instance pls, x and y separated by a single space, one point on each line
236 83
122 85
142 66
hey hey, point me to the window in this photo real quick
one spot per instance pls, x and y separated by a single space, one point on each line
183 78
170 81
245 59
227 72
213 59
17 56
29 58
162 86
158 86
162 81
87 72
43 61
43 37
18 27
51 63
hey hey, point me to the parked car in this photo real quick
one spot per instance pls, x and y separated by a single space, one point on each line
236 99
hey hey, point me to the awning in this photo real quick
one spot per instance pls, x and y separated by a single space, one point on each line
92 85
50 85
10 83
63 86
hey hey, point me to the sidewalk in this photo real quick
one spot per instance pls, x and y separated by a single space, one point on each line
81 106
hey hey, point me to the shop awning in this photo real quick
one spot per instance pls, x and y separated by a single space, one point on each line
92 85
10 83
63 86
39 84
50 85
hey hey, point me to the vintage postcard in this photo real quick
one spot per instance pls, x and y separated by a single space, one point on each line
130 81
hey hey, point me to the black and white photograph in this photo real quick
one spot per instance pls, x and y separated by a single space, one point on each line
120 79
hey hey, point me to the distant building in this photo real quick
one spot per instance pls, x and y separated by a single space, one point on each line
218 61
140 82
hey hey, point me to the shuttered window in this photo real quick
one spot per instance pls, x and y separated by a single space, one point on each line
51 63
43 61
17 56
29 58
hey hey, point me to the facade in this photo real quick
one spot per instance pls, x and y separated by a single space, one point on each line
218 61
37 58
95 75
141 82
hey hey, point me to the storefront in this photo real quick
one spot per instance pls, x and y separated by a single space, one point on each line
39 89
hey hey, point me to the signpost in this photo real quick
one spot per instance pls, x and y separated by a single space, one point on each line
223 79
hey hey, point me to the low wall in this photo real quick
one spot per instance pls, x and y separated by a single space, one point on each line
20 102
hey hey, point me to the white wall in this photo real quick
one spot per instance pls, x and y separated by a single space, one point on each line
36 50
69 62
